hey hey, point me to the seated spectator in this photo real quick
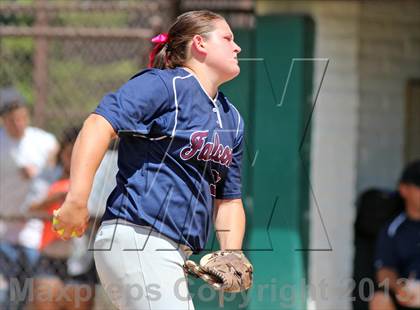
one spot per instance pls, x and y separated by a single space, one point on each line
54 286
24 153
397 259
66 272
375 208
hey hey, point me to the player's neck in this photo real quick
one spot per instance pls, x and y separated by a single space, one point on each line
207 81
413 212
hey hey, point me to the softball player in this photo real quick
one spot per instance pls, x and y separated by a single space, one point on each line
179 160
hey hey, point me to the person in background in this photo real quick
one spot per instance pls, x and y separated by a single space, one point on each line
24 152
52 277
397 259
66 270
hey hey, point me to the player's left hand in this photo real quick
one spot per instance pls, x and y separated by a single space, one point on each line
229 271
70 220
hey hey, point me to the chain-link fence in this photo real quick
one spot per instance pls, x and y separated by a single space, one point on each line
64 55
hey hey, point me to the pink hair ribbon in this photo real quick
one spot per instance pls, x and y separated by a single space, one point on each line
160 40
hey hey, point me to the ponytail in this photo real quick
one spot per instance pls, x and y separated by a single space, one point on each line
157 57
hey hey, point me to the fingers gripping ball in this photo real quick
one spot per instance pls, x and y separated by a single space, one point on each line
60 232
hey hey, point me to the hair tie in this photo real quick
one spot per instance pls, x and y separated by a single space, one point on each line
160 40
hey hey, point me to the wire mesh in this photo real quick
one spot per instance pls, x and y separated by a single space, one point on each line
64 55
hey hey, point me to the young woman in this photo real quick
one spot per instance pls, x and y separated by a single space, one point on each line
179 160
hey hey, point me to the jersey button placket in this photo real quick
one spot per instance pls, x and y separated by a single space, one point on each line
219 121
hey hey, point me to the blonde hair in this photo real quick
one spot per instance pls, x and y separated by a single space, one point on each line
174 52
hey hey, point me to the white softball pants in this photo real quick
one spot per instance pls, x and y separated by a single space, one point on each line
141 269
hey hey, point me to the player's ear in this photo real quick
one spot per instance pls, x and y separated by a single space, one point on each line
198 44
403 189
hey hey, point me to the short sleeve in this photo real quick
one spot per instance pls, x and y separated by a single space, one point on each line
136 104
385 254
38 147
231 186
50 142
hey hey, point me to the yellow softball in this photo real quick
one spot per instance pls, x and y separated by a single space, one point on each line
60 232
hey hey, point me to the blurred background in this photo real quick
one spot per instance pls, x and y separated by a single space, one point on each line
330 93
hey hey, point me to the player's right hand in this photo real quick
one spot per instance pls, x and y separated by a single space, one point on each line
71 220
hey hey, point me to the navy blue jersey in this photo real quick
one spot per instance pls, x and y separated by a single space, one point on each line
398 247
179 149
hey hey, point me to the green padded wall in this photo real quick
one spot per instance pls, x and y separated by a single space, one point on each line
279 235
275 164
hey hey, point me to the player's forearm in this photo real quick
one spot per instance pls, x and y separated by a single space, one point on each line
88 152
230 223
